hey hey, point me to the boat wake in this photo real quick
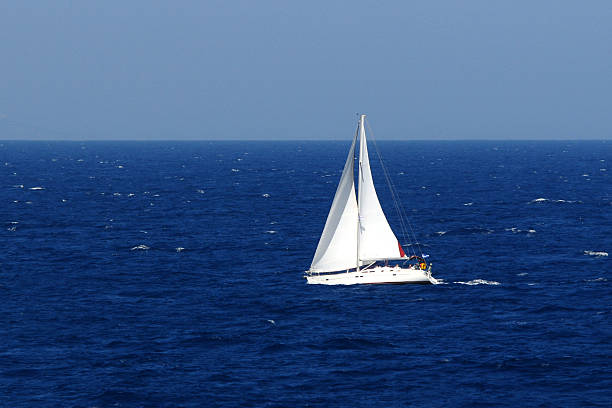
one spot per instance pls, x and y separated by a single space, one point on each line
478 282
469 283
438 281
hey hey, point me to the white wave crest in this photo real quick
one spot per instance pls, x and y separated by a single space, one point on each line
478 282
36 188
596 280
596 253
516 230
544 200
140 247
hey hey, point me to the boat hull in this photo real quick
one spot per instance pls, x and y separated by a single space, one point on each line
378 275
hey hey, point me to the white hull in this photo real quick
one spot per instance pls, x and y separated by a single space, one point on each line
379 274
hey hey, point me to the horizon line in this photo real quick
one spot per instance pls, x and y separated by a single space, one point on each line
302 140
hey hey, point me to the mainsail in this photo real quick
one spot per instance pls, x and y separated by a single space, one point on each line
355 231
376 239
337 249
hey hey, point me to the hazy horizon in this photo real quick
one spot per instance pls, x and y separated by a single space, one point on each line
271 70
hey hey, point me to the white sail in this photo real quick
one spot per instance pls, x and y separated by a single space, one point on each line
376 239
337 249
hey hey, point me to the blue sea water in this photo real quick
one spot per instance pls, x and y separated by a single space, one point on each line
170 274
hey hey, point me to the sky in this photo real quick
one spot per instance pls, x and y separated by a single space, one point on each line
426 70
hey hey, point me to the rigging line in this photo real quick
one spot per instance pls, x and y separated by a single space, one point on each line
396 203
399 208
394 194
392 189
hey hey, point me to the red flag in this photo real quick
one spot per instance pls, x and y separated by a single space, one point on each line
402 253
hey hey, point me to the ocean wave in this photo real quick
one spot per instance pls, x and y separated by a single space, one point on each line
36 188
465 231
548 200
141 247
415 244
596 253
596 280
351 343
518 231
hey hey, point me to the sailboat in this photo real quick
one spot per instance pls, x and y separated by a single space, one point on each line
357 245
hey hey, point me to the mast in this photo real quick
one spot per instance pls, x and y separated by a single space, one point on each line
361 131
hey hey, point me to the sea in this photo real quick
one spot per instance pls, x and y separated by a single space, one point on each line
171 274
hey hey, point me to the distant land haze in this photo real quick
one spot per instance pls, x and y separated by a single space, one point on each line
276 70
